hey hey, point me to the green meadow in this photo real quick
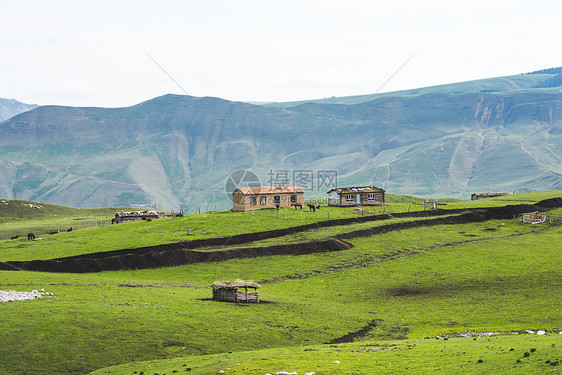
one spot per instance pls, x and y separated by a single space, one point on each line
396 302
500 354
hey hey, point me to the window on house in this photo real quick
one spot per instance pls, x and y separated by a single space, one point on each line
294 198
253 201
276 199
263 201
371 197
350 198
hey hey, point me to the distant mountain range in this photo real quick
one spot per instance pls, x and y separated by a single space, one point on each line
177 152
11 107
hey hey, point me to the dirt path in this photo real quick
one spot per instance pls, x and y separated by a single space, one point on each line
155 259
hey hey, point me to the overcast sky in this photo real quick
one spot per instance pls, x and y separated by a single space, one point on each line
97 53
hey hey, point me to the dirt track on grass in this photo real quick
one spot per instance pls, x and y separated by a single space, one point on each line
182 252
473 216
156 259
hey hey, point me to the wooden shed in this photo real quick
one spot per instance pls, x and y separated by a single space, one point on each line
255 198
477 196
236 292
125 217
356 196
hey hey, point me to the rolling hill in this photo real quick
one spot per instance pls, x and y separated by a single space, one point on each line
176 152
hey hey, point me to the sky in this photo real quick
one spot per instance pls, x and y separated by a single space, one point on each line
119 53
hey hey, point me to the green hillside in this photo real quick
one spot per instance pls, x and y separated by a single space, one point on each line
18 218
397 301
499 84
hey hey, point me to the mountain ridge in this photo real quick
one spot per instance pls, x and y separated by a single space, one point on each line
11 107
176 152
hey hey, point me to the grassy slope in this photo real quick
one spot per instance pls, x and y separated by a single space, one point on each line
480 280
162 231
498 355
417 296
138 234
18 218
190 227
499 84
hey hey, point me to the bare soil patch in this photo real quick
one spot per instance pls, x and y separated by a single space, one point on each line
156 259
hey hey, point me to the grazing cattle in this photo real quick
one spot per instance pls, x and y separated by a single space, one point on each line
311 207
16 236
69 230
30 236
297 206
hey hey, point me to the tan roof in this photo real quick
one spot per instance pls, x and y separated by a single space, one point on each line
269 190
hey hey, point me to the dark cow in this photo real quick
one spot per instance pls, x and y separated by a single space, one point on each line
16 236
311 207
30 236
297 206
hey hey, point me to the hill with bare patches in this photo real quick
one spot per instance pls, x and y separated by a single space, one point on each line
176 152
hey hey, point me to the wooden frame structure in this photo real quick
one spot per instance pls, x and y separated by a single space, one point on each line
232 292
536 217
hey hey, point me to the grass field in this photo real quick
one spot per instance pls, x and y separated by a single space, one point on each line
397 292
503 354
19 217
